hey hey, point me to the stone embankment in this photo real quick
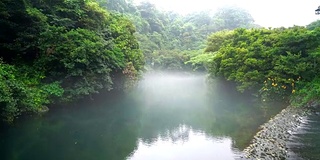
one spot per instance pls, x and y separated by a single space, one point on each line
270 141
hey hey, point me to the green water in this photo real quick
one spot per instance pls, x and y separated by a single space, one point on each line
168 116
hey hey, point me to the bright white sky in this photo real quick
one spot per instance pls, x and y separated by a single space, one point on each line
267 13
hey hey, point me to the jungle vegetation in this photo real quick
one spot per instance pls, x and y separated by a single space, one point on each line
274 63
60 51
270 62
65 50
167 39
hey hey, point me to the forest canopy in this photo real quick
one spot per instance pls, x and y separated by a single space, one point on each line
61 50
65 50
280 62
168 39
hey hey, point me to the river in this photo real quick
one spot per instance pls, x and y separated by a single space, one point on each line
167 116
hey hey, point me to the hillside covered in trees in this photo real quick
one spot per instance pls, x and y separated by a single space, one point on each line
279 62
274 63
65 50
168 39
61 51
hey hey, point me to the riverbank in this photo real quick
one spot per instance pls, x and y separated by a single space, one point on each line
270 141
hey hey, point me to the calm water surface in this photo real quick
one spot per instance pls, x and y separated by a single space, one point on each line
168 116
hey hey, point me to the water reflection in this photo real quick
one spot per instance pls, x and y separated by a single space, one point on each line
185 143
218 110
168 116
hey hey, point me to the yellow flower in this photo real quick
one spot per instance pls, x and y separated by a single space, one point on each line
293 91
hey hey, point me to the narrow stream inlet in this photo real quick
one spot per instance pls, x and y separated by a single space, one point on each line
168 116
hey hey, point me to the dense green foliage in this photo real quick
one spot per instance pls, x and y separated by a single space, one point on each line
21 93
278 62
168 39
63 48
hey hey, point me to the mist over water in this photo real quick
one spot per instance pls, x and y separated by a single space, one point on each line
180 103
172 90
167 116
194 119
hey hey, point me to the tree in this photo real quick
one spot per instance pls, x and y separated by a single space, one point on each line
232 18
272 60
69 49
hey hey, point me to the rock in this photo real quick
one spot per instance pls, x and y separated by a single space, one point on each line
270 141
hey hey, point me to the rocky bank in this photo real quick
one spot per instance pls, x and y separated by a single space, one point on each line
270 141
